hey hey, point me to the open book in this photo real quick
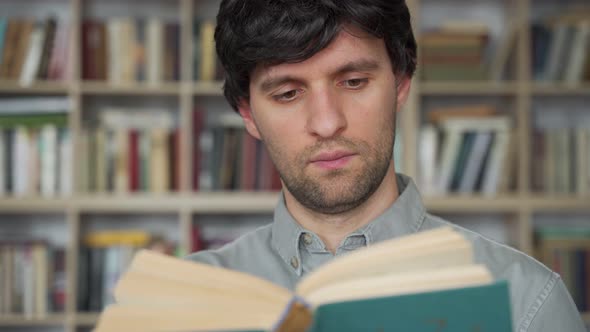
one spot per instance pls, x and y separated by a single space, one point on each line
421 282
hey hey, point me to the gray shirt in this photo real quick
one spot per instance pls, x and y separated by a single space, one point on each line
282 252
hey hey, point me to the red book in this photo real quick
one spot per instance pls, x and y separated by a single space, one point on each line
248 162
55 70
197 243
134 176
89 45
58 282
197 129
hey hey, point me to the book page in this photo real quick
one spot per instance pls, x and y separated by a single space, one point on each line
402 283
205 277
417 252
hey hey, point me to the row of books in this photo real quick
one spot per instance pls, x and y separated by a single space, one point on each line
459 50
35 147
129 160
32 279
104 256
561 161
36 161
566 250
131 150
561 49
234 160
465 150
33 50
125 50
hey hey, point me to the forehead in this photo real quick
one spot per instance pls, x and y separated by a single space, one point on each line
350 45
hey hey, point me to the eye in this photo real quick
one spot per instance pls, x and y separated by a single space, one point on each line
286 96
355 83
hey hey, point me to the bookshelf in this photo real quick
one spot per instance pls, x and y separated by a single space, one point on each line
518 207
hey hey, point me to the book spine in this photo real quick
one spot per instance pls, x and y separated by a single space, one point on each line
20 161
3 169
65 170
49 161
48 44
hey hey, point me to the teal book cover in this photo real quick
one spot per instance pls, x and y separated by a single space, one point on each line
3 24
473 309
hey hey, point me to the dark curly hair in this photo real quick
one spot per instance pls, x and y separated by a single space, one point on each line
268 32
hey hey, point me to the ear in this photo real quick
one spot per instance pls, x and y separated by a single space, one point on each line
403 91
246 112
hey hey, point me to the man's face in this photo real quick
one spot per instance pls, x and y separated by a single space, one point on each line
328 122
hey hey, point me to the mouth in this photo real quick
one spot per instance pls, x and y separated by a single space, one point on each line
332 159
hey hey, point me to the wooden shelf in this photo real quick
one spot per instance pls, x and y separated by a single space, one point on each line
264 202
208 88
468 88
565 243
17 320
199 88
105 88
552 89
212 202
39 87
560 203
477 203
86 318
34 205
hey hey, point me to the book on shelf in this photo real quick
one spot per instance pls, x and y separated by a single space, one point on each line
125 50
204 51
560 49
561 161
229 158
103 258
566 250
32 278
465 50
131 150
35 147
33 50
455 51
504 49
375 288
466 150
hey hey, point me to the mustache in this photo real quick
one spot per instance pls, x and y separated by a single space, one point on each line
333 143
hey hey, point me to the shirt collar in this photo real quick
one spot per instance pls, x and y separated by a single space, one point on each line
403 217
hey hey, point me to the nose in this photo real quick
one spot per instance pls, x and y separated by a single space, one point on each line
326 116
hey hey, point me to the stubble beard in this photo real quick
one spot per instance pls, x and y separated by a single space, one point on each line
340 190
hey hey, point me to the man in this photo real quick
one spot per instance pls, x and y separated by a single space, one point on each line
320 82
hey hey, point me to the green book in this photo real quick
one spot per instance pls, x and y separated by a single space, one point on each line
484 308
423 282
33 121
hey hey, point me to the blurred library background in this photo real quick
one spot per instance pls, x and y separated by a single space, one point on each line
115 136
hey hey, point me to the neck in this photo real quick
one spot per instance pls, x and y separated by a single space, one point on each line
333 228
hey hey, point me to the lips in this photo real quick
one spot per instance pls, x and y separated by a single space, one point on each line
330 156
332 159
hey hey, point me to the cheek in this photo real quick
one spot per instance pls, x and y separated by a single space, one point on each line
373 114
280 137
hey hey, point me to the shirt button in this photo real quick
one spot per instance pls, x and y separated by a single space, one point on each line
294 262
307 239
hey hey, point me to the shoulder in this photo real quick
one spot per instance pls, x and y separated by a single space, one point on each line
533 286
237 253
252 253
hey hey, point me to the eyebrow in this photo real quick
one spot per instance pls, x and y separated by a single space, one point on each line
352 66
